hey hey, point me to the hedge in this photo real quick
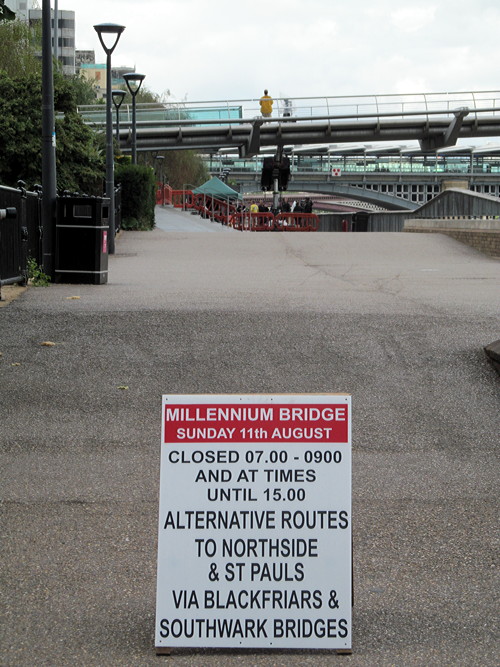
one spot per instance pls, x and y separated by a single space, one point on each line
138 196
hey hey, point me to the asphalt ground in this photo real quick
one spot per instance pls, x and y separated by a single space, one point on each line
397 320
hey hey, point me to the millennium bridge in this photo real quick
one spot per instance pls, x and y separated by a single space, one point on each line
435 120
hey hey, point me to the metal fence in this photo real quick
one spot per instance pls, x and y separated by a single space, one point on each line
235 111
21 236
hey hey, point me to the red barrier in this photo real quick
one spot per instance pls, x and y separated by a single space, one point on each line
163 194
182 198
253 222
209 207
297 222
225 212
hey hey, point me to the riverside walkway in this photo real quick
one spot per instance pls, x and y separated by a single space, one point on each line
397 320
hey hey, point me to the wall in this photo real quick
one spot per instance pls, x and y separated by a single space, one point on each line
481 234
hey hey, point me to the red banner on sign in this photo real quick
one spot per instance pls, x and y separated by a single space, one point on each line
256 423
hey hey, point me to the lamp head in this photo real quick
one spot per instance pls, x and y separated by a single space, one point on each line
134 82
117 96
112 29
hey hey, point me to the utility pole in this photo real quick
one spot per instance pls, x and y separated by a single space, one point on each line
49 182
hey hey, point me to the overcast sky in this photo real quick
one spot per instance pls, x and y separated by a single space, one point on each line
232 49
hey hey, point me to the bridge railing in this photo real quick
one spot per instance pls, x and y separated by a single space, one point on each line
239 110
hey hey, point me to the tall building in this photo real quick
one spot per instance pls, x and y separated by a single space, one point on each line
21 8
66 36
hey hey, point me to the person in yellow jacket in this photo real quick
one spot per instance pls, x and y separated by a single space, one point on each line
266 105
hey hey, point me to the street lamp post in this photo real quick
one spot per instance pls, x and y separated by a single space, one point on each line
134 82
115 31
49 182
118 96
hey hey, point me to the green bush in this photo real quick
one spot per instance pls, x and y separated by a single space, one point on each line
36 275
138 196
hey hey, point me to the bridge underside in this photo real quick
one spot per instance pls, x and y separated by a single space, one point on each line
249 137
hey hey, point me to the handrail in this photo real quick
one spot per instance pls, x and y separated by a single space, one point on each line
170 104
294 119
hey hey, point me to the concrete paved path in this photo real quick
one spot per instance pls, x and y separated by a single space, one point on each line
171 219
397 320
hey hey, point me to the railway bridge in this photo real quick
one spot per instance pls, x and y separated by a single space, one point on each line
387 177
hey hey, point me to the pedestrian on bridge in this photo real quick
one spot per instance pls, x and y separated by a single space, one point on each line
266 105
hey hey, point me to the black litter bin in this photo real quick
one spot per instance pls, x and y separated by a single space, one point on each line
82 230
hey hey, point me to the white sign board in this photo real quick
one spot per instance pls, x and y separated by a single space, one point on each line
254 543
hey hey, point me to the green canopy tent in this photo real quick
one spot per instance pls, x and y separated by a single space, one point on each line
217 189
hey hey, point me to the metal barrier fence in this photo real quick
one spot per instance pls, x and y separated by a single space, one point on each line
163 194
181 198
268 222
20 237
226 212
213 208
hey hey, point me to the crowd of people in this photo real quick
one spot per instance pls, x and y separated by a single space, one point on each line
213 208
302 206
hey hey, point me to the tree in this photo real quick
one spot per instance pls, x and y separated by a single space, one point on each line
79 150
179 167
79 157
18 44
84 90
80 162
20 129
